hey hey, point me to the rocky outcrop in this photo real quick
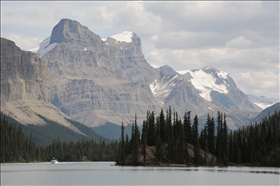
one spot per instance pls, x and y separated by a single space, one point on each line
24 74
25 88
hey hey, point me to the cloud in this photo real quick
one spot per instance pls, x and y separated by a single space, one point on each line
228 58
128 16
239 42
24 42
256 82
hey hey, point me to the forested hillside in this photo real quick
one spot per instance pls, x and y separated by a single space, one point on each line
45 134
16 147
168 139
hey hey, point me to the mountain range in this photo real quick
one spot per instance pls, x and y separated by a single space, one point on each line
104 82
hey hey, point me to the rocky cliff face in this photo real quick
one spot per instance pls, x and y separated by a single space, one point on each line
25 88
23 74
96 80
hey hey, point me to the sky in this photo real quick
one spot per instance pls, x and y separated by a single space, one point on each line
241 38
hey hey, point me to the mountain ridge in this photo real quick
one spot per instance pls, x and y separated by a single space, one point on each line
110 80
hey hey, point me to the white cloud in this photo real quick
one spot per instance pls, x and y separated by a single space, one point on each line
24 42
127 16
239 42
257 83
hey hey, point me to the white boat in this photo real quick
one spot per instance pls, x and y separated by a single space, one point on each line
54 161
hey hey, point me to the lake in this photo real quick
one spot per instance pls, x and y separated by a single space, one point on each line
106 173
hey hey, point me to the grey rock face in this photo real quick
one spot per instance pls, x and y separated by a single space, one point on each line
72 31
25 88
23 74
95 81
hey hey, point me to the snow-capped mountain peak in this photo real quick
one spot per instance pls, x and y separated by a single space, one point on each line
208 79
125 36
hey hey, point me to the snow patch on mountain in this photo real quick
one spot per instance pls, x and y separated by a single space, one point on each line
45 47
158 88
125 36
163 88
206 83
222 74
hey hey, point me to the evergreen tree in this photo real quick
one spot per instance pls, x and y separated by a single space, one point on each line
151 129
122 146
219 138
195 141
163 132
144 142
210 126
225 146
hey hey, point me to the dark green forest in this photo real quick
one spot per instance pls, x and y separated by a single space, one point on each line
16 147
165 139
168 139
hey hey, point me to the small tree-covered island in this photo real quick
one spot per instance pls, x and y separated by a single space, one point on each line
168 140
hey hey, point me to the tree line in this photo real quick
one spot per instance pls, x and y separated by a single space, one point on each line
170 139
173 140
16 147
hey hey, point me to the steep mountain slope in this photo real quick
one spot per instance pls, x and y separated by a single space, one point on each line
173 89
203 91
220 89
267 112
96 81
25 92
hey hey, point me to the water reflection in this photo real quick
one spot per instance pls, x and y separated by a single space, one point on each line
206 169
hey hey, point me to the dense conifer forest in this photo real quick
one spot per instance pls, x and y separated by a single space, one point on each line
165 139
16 147
168 139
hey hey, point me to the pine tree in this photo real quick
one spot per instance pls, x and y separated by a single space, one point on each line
187 136
195 141
151 129
135 140
163 132
210 126
144 142
170 136
225 146
122 147
219 138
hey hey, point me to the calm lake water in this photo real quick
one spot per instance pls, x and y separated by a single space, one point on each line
105 173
